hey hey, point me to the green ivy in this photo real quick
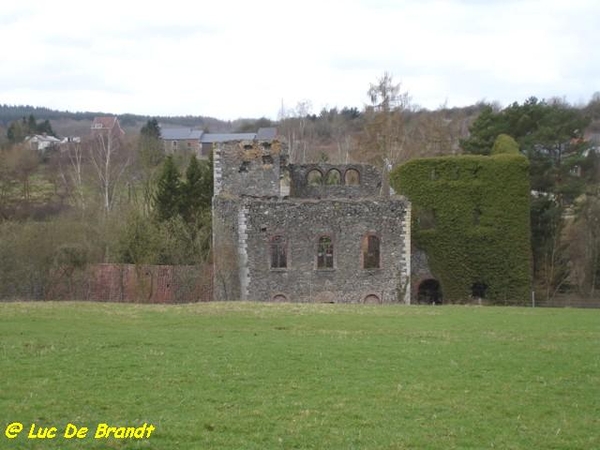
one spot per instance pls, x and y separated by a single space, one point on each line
471 217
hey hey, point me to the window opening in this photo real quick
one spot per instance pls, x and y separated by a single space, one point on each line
333 177
244 166
371 252
352 177
314 178
325 253
278 253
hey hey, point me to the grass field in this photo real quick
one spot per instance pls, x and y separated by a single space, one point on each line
271 376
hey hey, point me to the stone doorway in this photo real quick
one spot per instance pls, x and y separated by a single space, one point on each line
429 292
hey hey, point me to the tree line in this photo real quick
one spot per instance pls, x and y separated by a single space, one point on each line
107 199
125 200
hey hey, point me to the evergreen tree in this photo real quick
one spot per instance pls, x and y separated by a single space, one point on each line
196 190
31 124
19 129
151 129
44 127
167 200
149 156
550 135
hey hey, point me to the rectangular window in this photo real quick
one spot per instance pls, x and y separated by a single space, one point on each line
371 252
325 253
278 253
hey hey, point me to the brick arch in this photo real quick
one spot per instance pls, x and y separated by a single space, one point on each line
279 297
333 177
352 177
314 177
372 299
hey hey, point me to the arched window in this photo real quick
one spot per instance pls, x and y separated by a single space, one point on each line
370 250
333 177
325 253
278 252
352 177
314 178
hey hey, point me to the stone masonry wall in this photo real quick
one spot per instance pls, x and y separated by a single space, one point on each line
369 182
302 223
248 168
226 251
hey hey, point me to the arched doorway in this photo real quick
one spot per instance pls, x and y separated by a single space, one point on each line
478 290
430 292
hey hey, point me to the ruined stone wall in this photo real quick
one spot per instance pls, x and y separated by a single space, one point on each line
302 223
225 248
248 168
369 181
251 206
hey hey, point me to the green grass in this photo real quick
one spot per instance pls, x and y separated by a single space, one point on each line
271 376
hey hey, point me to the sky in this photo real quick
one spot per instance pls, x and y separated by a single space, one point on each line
234 59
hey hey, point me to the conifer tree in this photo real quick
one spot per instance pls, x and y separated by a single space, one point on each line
196 190
168 193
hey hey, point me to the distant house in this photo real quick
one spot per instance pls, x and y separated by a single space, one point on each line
181 140
107 124
187 140
42 142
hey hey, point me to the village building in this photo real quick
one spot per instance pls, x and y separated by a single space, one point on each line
191 141
106 125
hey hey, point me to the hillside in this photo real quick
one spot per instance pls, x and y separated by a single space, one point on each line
68 123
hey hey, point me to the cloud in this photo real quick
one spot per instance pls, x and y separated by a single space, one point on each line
239 58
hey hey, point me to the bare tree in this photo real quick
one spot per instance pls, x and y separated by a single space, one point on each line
385 132
583 240
70 172
294 124
109 159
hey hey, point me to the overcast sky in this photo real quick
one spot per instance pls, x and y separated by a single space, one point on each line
239 58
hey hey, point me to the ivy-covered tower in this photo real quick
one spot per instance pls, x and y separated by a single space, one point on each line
470 224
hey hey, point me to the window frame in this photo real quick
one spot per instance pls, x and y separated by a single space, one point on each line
315 172
348 172
368 254
325 257
278 252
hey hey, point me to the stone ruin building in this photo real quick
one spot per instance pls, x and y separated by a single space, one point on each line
305 232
